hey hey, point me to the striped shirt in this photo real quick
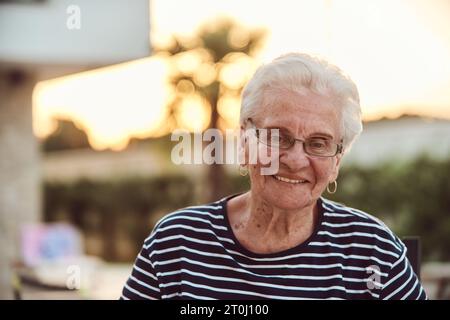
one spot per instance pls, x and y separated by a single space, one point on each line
193 253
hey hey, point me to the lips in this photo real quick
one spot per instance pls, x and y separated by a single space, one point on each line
288 180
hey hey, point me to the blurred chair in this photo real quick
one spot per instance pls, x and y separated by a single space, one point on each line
52 258
413 253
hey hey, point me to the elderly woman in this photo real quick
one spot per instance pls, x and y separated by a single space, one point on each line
281 239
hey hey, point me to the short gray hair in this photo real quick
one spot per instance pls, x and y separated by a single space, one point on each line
299 71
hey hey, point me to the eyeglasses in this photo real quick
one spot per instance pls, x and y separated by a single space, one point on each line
315 146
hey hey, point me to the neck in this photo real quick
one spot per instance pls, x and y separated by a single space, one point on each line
265 228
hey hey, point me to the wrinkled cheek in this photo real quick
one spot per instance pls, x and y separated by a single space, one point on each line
322 173
268 160
323 176
260 155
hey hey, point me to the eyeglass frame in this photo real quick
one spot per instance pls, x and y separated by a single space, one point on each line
339 149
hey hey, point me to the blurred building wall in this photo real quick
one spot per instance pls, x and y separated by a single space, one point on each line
19 169
401 139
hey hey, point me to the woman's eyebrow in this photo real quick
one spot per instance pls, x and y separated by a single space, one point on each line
314 134
282 129
321 134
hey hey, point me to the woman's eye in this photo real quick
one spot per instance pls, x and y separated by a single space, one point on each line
318 144
284 139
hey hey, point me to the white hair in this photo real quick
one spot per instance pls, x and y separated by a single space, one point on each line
296 72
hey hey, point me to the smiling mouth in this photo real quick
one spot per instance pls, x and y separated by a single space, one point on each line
292 181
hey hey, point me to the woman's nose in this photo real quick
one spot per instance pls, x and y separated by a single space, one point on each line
295 157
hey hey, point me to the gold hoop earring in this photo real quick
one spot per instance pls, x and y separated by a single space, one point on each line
334 189
243 170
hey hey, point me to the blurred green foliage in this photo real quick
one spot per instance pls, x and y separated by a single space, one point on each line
411 198
105 208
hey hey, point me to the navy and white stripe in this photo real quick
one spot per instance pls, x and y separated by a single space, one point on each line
193 254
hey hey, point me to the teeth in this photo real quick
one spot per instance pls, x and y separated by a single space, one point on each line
289 180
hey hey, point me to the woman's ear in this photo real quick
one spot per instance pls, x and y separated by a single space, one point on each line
242 146
335 172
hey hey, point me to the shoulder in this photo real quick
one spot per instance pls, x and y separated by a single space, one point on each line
189 221
341 220
352 214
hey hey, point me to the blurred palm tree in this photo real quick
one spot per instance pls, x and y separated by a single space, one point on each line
67 136
213 64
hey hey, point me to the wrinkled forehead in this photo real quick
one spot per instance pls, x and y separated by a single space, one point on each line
301 113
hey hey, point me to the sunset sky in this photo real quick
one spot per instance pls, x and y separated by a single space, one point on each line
396 51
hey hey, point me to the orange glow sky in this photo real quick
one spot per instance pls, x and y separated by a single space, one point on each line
397 52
